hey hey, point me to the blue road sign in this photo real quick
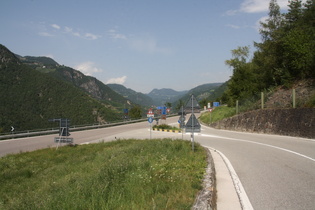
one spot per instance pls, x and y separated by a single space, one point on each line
216 104
150 119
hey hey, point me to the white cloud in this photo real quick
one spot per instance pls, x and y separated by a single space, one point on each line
142 44
45 34
148 45
88 68
262 19
254 6
55 26
118 80
231 12
257 6
233 26
115 35
91 36
68 29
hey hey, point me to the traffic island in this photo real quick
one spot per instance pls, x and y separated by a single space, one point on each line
167 130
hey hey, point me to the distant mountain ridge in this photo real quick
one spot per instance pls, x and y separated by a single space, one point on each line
164 95
136 97
203 93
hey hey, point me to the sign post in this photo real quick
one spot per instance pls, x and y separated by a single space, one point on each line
64 125
193 124
150 120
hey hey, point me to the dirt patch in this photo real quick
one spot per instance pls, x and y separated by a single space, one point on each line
283 97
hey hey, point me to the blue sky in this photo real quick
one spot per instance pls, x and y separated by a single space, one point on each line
141 44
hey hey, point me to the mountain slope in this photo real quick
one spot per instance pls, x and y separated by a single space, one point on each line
164 95
29 98
90 85
136 97
205 92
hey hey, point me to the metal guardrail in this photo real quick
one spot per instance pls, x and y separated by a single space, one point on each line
73 128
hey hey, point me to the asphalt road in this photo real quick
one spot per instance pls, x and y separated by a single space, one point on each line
277 172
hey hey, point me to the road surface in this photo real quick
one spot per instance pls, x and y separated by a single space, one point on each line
277 172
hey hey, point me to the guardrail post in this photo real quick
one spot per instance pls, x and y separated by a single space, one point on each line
293 98
262 100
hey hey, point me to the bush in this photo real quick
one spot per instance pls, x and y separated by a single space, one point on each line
165 127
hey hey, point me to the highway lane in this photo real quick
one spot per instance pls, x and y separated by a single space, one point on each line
135 130
277 172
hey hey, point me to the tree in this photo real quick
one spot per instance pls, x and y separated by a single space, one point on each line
242 83
135 112
179 105
168 104
269 56
299 39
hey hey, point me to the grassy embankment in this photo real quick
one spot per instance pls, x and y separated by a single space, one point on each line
217 114
124 174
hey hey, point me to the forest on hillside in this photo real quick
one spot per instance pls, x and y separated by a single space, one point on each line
286 53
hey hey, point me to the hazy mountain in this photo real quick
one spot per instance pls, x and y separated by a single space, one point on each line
205 92
135 97
162 96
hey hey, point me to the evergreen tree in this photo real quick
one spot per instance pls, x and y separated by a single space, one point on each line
268 59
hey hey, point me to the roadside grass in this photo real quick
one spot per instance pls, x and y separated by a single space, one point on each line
123 174
217 114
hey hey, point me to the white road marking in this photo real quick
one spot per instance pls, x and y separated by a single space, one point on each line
244 200
267 145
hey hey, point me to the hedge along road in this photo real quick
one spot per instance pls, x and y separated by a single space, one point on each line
277 172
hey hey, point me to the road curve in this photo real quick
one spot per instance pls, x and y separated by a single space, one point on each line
277 172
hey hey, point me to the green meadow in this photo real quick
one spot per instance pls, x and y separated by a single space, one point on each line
123 174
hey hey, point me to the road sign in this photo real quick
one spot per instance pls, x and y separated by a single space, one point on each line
193 125
192 105
181 121
64 126
216 104
164 111
150 119
63 140
150 113
210 109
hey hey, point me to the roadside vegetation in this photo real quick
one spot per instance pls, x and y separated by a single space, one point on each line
217 114
166 127
284 55
124 174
